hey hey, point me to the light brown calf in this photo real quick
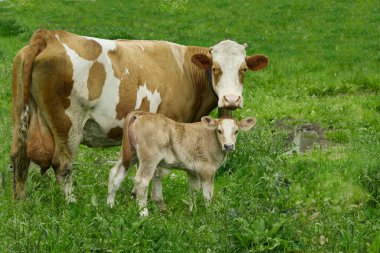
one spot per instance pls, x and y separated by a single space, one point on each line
161 143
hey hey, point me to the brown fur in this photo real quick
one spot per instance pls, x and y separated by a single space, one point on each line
86 48
115 133
95 82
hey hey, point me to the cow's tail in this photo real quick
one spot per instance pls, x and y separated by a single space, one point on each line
22 111
36 45
128 151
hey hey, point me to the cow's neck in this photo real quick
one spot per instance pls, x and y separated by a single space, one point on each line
204 99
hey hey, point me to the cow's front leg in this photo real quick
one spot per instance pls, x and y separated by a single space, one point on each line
194 187
156 194
144 174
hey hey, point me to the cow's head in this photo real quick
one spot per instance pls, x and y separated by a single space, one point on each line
227 129
228 63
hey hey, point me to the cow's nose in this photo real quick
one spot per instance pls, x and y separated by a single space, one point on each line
229 146
232 101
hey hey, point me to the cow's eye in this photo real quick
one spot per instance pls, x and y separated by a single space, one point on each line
243 70
219 131
236 131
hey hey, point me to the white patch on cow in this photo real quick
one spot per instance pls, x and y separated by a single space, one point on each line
107 45
102 109
153 98
81 69
228 126
178 52
141 47
105 111
230 56
126 72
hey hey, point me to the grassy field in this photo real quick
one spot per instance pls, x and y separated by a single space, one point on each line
324 69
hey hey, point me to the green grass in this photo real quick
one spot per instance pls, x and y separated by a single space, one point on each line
324 69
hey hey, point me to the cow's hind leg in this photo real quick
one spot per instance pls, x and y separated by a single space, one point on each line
63 174
64 156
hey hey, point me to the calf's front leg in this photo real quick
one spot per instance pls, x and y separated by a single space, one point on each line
156 194
208 189
194 187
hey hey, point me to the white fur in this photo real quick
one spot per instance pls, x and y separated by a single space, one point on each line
228 126
153 98
126 72
230 56
103 112
141 47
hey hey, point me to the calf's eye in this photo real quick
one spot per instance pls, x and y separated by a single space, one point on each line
219 131
236 131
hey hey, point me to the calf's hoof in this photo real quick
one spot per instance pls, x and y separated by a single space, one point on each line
71 198
162 206
144 212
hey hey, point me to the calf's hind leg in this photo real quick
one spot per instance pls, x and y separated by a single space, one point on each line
144 174
116 177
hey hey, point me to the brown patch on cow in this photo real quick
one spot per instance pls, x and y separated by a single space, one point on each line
217 72
52 85
127 88
118 63
86 48
95 82
243 69
115 133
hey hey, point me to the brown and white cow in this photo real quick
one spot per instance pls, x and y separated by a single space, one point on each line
70 89
159 143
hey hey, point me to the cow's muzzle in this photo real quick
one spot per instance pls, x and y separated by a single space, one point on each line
231 102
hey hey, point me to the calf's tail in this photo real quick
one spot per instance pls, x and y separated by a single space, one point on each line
128 147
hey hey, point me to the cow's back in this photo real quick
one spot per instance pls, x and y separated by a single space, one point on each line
100 81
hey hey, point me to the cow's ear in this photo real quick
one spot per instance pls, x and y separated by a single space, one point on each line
202 61
246 124
209 122
256 62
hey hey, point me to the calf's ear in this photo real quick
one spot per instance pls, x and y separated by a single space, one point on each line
247 123
202 61
209 122
256 62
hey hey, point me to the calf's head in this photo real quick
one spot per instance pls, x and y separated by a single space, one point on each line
227 129
228 64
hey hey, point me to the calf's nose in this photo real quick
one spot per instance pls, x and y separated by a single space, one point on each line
229 146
